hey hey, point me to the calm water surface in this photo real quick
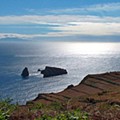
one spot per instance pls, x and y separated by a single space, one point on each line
78 58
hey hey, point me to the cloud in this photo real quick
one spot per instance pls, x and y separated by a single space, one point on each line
89 28
63 25
103 9
64 22
106 7
74 29
54 19
13 35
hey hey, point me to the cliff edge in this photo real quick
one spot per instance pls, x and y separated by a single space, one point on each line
97 94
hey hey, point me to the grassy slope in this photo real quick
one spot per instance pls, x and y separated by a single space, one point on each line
101 106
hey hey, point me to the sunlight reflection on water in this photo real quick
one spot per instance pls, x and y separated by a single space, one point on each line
91 48
78 58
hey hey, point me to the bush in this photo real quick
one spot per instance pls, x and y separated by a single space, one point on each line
72 115
36 106
6 108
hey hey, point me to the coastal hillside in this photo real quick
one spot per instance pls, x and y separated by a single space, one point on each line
97 97
91 84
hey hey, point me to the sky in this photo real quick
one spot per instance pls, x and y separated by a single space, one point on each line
60 19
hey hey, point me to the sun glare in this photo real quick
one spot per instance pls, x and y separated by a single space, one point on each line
88 48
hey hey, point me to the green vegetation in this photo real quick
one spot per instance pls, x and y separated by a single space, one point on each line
6 108
52 111
66 115
57 106
56 111
36 106
105 105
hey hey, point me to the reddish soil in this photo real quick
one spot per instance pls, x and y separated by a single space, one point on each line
98 95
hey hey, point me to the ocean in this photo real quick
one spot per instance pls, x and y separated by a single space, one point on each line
79 58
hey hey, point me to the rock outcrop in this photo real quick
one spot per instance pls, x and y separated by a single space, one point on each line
53 71
25 72
38 70
70 86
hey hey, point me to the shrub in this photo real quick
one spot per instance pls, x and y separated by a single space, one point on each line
6 108
67 115
37 106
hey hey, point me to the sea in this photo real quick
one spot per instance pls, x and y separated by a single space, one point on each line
78 58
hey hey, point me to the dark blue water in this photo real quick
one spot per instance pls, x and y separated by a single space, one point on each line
78 58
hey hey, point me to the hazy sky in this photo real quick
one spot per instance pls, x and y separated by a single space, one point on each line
60 18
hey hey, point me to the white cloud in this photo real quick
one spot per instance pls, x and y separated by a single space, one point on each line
67 25
78 28
54 19
101 9
106 7
92 8
13 35
88 28
30 36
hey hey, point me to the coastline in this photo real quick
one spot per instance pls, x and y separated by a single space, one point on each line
91 84
97 94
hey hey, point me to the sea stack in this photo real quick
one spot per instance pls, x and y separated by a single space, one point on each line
53 71
38 70
25 72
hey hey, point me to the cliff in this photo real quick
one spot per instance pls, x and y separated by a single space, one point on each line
91 84
98 95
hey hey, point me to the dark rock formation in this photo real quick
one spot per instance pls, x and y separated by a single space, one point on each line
52 71
25 72
38 70
70 86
